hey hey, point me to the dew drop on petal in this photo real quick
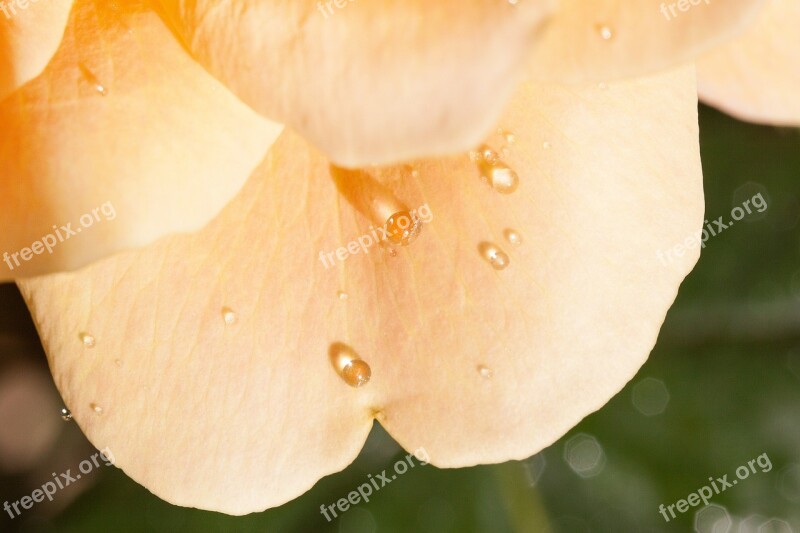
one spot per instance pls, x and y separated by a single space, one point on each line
546 145
494 255
605 32
228 315
87 340
96 408
485 372
508 136
512 237
343 296
349 365
403 228
496 173
90 77
415 173
66 415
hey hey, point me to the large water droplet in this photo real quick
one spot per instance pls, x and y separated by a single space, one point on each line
347 363
96 408
494 255
92 79
403 228
495 172
87 340
512 237
229 316
66 415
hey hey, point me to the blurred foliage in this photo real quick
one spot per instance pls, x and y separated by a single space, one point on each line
728 355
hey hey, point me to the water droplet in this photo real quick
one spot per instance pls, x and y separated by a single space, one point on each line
546 145
347 363
512 237
415 173
343 295
485 372
496 173
228 315
605 31
96 408
66 415
494 255
403 228
508 136
92 79
87 340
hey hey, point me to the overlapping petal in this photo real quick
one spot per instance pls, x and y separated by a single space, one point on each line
473 363
122 139
370 82
757 76
613 39
29 36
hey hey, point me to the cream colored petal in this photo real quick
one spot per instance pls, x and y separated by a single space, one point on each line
244 414
122 139
757 76
374 81
615 39
29 36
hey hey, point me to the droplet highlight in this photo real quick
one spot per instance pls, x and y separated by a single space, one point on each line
96 408
495 172
605 32
349 365
87 339
485 372
494 255
546 145
512 237
403 228
66 415
90 77
343 296
229 316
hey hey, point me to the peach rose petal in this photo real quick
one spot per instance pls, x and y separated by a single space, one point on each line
373 82
220 358
757 76
122 139
29 37
606 40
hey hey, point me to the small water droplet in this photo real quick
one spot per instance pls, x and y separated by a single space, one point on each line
496 173
87 340
512 237
546 145
508 136
228 315
415 173
353 370
92 79
485 372
605 31
66 415
343 295
96 408
403 228
494 255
